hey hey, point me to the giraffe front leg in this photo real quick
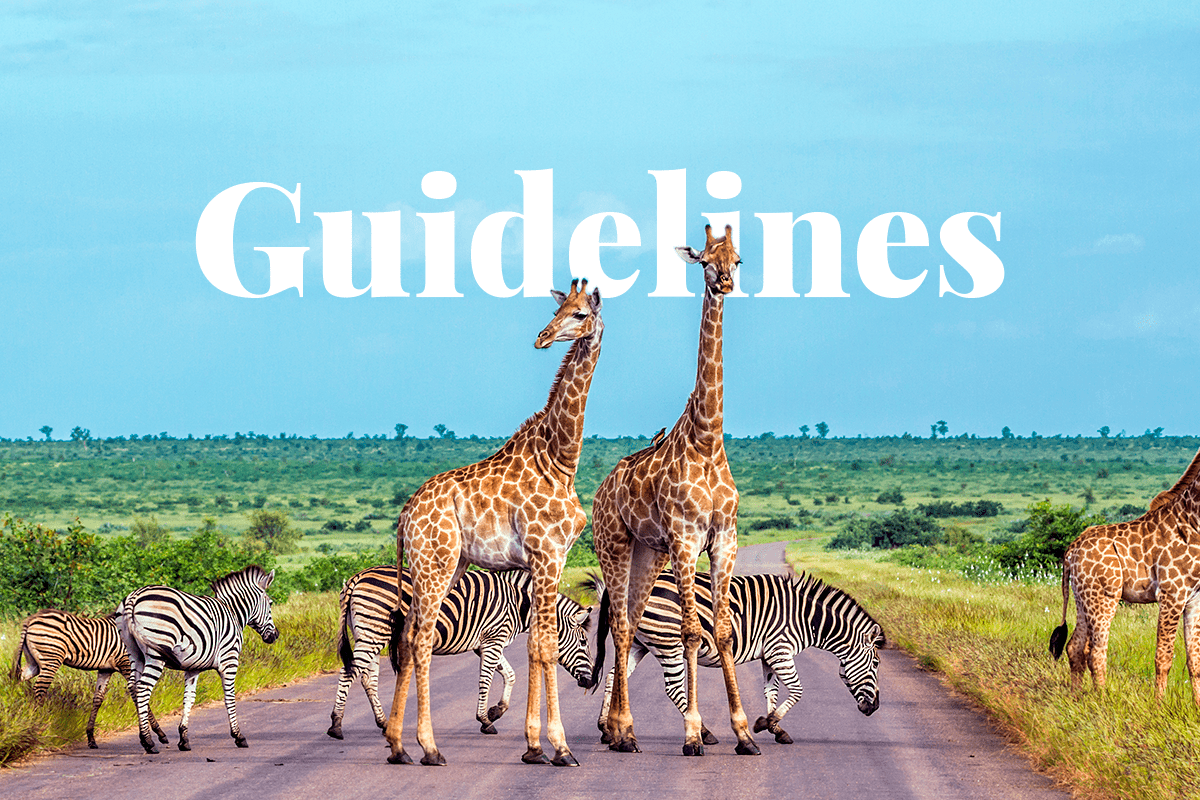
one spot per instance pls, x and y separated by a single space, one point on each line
722 554
1191 645
690 632
1169 612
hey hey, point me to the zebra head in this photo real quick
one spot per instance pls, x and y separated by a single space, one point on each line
246 591
574 654
859 668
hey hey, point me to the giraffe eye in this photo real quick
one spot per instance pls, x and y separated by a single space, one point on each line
580 315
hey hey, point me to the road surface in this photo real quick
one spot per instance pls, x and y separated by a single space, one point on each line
922 743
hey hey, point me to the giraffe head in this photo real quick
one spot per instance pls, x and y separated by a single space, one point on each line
578 316
718 258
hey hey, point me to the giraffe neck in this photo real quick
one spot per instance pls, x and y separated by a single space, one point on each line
562 420
707 403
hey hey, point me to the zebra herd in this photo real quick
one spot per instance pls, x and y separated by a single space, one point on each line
158 627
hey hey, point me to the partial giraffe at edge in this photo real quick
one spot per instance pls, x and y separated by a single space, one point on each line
1152 559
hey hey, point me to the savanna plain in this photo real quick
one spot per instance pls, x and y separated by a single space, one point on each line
952 543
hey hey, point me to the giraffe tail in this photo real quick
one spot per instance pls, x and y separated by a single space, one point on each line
397 642
1058 638
601 635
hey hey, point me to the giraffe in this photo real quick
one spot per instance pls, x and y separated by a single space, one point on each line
515 509
1152 559
670 501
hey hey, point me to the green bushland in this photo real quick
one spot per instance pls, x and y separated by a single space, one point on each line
989 640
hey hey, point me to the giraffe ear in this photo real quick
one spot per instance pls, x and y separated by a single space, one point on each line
688 254
558 296
594 300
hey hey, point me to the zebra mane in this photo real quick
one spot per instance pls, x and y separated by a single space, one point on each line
823 594
253 573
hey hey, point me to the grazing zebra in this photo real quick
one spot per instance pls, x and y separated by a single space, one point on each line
51 639
164 627
774 618
483 612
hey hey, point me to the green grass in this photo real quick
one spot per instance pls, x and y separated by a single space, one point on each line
990 642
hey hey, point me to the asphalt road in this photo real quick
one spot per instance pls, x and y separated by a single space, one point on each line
922 743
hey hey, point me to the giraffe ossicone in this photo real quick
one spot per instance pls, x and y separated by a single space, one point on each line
1152 559
671 501
516 509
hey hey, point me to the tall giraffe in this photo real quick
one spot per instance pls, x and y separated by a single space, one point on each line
515 509
1152 559
670 502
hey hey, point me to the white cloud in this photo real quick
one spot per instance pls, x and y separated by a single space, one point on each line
1113 244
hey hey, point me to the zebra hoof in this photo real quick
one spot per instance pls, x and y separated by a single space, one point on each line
782 737
335 731
399 758
746 749
605 737
534 755
707 737
151 750
565 759
497 711
761 724
693 749
240 741
488 728
183 745
92 745
162 737
434 759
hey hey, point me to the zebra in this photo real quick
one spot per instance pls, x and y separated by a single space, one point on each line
484 611
51 639
774 618
164 627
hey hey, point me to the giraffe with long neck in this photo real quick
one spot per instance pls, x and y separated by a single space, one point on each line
515 509
1152 559
670 502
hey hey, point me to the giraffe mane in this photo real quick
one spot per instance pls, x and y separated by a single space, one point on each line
1186 482
540 414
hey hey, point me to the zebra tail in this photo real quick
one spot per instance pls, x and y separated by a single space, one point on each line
345 650
1059 636
601 635
15 672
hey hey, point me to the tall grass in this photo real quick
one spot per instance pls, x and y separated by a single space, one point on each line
307 644
990 641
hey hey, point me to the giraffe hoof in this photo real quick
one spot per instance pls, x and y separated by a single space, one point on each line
434 759
399 758
761 724
335 732
782 737
629 745
565 759
534 755
708 738
693 749
748 748
488 728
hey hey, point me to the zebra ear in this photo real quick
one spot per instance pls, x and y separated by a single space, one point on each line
266 584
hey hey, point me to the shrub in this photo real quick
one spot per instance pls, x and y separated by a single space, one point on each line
1049 531
900 528
893 496
272 531
971 508
771 524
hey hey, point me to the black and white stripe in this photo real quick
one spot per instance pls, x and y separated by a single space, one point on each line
483 612
164 627
51 639
774 618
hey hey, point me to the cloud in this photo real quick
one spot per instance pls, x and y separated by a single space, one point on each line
1113 244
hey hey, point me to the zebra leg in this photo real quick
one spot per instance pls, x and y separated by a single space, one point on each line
339 704
228 676
150 672
189 697
45 676
370 681
102 678
778 667
636 654
722 553
130 685
491 661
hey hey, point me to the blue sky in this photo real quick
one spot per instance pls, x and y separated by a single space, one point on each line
1079 123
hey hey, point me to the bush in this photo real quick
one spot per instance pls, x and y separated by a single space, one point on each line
772 524
892 496
898 529
971 508
272 531
1048 532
